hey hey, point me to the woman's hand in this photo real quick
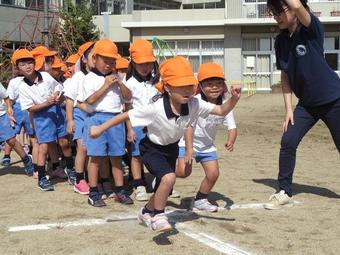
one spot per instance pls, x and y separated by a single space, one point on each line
289 119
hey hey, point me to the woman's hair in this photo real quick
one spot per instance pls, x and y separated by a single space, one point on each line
85 55
154 75
277 6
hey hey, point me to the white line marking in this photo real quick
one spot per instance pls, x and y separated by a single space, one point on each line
184 228
210 241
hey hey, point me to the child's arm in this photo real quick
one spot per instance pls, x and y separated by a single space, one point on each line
189 151
126 93
232 135
39 107
225 108
96 131
109 81
131 136
301 13
287 97
69 115
9 110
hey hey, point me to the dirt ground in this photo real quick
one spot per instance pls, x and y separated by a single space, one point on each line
248 175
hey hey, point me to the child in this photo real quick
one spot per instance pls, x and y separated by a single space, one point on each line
212 89
104 92
7 133
166 120
304 72
71 62
22 119
141 76
76 114
40 94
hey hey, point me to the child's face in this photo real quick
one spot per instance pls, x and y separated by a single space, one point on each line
213 88
70 67
56 72
181 94
48 64
26 67
104 65
145 68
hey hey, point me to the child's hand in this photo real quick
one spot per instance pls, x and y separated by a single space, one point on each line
189 156
12 120
71 127
235 91
229 146
51 99
110 80
131 136
95 131
59 97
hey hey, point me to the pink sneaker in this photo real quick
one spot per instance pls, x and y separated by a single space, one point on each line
82 188
58 173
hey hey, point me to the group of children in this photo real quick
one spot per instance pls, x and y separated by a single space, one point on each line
111 106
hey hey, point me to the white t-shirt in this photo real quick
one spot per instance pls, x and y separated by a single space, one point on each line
74 89
37 93
3 95
205 130
13 88
162 125
109 102
142 92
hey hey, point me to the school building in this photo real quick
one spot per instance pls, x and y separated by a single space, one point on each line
238 34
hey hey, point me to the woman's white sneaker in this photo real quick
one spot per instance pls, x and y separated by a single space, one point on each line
278 200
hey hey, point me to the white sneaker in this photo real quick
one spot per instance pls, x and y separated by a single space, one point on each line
175 194
144 219
278 200
160 223
140 194
204 205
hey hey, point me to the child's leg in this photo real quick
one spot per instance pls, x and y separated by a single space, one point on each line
118 176
81 185
43 182
64 144
93 172
162 193
57 171
6 160
201 202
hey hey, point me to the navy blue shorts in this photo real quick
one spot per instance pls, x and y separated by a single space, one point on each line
158 159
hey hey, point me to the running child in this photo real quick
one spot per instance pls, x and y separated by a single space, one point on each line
166 119
212 89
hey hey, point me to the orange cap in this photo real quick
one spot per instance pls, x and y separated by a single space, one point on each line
210 70
84 47
141 52
72 59
106 48
177 72
57 63
122 63
21 54
43 51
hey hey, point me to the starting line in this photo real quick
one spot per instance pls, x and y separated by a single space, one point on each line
184 228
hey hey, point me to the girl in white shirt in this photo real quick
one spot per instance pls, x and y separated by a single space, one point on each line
200 143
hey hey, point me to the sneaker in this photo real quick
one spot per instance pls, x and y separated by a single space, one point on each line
204 205
58 173
140 194
95 200
6 161
175 194
278 200
160 223
71 175
35 175
101 191
144 219
107 189
45 185
82 188
122 198
29 167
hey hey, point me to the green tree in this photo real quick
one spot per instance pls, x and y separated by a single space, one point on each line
75 26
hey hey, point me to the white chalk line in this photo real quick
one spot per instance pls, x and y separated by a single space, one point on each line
184 228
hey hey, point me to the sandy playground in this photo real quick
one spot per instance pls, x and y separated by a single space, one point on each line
61 222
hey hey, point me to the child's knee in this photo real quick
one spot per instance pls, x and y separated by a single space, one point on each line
169 179
213 175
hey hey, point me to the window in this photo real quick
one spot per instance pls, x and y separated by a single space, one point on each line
249 44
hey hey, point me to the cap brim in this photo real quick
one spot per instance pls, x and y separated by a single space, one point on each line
143 60
205 77
115 56
183 81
